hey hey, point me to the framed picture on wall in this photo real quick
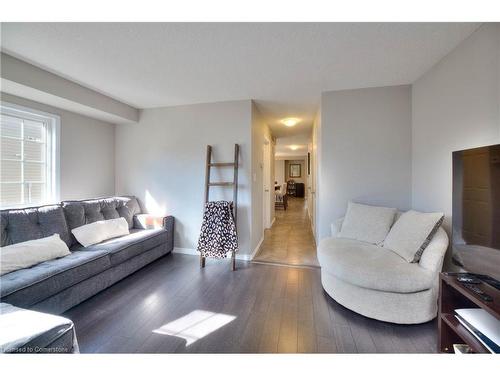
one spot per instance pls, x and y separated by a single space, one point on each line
294 170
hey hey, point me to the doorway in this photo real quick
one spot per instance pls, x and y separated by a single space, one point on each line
267 185
289 239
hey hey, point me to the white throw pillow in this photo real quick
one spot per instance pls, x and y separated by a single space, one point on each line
411 234
26 254
367 223
99 231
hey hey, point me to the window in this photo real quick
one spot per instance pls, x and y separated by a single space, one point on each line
29 156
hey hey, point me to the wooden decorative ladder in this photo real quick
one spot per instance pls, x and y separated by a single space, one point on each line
234 184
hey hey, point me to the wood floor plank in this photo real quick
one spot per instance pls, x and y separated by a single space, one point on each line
306 335
326 344
382 338
275 309
402 340
344 340
322 322
270 334
287 342
239 306
360 331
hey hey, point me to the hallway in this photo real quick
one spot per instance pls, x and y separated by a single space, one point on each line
290 241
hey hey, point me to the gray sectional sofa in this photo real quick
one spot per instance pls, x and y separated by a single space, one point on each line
57 285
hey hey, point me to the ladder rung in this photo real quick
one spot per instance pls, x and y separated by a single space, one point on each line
220 184
221 164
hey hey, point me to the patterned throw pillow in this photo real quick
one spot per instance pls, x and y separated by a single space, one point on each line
411 234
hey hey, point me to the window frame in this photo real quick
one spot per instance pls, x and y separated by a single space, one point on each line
52 123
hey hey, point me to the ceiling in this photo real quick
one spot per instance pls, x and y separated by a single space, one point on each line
292 146
284 67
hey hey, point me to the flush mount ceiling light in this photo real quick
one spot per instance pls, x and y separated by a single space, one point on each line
294 147
291 121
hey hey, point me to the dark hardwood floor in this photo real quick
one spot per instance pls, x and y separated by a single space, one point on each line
173 306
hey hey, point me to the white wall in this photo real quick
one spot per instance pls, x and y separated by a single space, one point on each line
161 160
365 151
87 152
279 171
456 105
260 132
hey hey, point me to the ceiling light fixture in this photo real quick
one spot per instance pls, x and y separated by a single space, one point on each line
294 147
291 121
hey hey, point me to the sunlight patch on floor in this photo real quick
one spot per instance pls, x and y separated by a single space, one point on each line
195 325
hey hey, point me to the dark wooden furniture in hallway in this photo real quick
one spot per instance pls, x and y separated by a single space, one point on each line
257 309
290 240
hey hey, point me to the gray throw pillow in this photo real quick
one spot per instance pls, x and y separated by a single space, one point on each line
412 232
367 223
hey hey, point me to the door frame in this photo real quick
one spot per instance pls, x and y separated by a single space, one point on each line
266 183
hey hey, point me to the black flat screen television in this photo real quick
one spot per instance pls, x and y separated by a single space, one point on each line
476 210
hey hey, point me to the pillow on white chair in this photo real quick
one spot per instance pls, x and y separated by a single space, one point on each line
29 253
367 223
411 234
99 231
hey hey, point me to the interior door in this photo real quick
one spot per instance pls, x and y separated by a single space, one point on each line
477 225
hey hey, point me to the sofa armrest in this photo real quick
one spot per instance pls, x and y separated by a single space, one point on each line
433 256
335 227
167 222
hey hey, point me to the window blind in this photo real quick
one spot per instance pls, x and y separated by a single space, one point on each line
24 168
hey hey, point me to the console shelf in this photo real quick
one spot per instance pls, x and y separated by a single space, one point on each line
453 295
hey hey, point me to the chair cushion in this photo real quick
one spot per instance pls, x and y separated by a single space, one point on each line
79 213
373 267
21 225
123 248
29 286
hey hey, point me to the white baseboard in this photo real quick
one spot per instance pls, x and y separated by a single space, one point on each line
188 251
255 251
245 257
185 250
272 222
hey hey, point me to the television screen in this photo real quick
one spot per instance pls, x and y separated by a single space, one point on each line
476 210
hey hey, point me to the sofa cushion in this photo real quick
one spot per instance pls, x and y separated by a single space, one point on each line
21 225
373 267
123 248
29 286
367 223
79 213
